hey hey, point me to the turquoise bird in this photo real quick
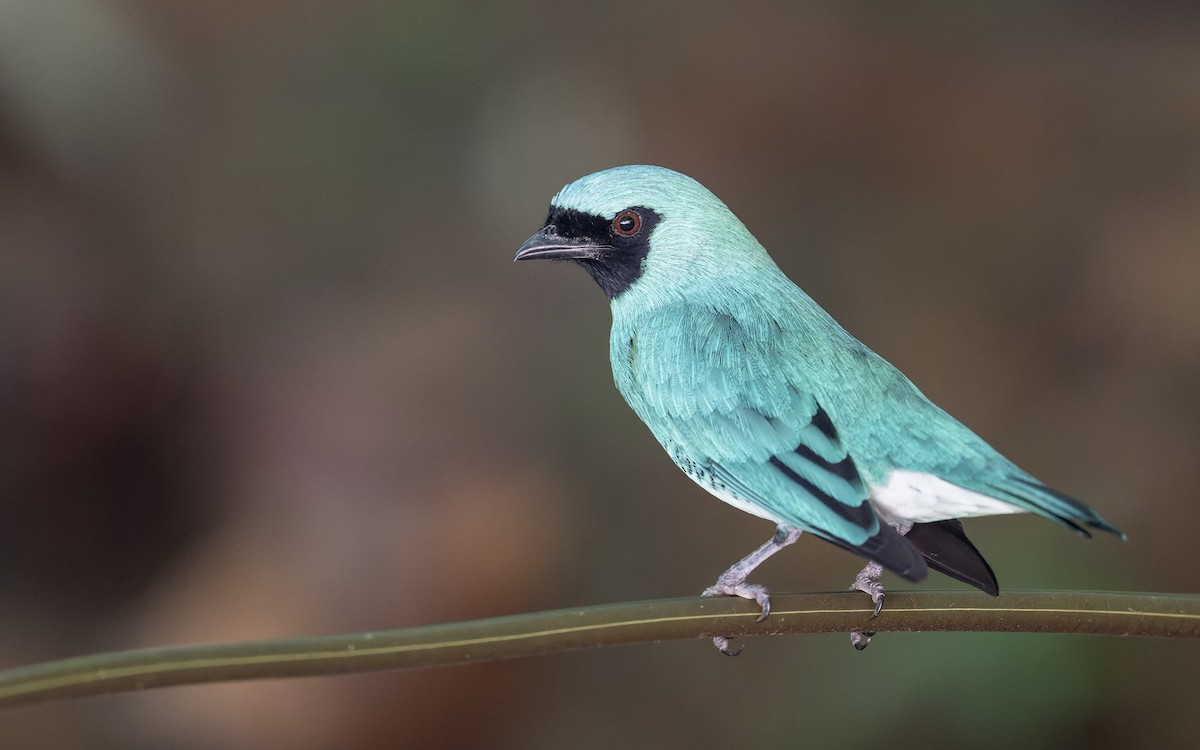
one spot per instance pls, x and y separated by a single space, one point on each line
760 397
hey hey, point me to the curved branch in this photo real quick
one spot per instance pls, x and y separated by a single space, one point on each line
1096 613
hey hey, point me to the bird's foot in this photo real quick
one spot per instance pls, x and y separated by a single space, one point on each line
867 581
754 591
733 581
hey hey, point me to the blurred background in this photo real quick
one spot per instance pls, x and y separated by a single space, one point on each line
267 369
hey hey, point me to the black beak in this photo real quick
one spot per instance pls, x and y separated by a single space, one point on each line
546 245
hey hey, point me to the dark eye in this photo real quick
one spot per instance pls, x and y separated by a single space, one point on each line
627 223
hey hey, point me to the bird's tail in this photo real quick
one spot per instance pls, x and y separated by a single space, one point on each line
890 550
948 550
1029 493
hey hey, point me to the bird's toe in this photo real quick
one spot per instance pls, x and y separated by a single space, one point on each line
753 591
867 581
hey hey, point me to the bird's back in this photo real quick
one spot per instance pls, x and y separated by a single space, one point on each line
737 375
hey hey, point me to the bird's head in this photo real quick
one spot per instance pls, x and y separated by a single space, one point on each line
644 226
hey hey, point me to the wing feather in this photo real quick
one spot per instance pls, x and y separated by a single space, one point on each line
723 404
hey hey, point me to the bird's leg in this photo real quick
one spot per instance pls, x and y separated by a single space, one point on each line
867 581
733 581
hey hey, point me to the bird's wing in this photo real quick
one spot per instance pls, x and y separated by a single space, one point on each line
722 399
927 440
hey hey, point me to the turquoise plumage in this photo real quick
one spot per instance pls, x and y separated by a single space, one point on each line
758 395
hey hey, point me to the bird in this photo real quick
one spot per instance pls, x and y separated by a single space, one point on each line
759 396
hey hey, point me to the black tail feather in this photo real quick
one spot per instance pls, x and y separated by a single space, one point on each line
893 552
947 549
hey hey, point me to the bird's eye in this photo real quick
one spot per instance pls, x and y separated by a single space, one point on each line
627 223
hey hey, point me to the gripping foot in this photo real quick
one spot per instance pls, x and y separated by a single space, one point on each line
733 581
868 581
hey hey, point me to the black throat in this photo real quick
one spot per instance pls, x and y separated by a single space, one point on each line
620 267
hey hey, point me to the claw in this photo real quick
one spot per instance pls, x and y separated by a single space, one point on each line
867 581
733 581
754 591
877 597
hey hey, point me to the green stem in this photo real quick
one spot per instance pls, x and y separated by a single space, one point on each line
1097 613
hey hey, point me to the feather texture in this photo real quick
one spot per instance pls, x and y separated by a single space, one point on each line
758 395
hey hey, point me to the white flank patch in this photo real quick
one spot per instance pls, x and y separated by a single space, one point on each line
921 498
